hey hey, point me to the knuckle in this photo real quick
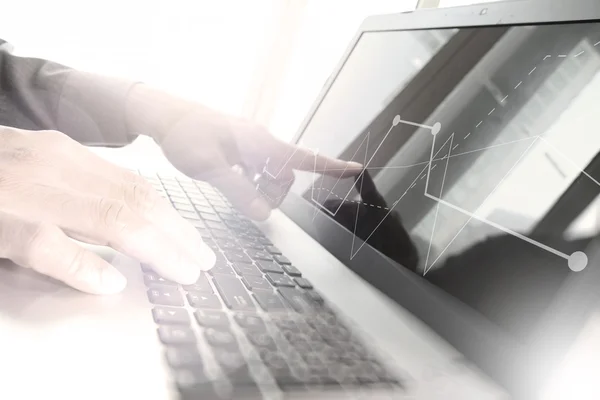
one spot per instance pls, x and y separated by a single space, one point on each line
76 262
112 213
142 197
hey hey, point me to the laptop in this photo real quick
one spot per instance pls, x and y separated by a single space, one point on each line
460 264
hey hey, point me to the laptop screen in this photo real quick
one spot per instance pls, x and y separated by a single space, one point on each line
481 151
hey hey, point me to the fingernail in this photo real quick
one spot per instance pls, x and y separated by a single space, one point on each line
112 281
354 165
260 209
188 271
206 257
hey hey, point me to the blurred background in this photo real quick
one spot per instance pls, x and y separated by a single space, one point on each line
262 59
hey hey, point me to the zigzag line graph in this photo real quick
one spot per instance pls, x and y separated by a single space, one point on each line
576 261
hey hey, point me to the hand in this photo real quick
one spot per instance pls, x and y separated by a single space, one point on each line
52 189
208 145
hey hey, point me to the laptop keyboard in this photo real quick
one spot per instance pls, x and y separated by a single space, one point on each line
252 323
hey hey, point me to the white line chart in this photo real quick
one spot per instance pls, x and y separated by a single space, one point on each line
576 261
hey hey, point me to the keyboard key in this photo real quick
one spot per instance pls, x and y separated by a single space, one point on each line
237 257
220 338
213 246
246 244
283 260
259 255
269 301
216 226
220 258
222 235
250 322
179 357
198 201
269 266
183 207
210 194
233 293
193 384
217 202
232 248
315 297
176 335
201 285
246 269
222 269
151 279
211 319
235 225
280 280
203 209
203 300
273 250
261 340
265 241
197 223
225 216
166 315
229 244
165 296
291 270
223 210
303 283
179 199
230 359
210 217
172 191
296 299
189 214
256 282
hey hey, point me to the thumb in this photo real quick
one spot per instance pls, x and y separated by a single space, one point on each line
242 194
47 250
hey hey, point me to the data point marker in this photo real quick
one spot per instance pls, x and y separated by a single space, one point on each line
435 129
396 120
578 261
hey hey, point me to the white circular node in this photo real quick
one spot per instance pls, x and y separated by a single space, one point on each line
435 129
396 120
578 261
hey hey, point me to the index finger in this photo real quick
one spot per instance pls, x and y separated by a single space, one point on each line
303 159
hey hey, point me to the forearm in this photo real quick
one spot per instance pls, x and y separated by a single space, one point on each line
42 95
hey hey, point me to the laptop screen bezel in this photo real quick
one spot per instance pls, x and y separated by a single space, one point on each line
506 360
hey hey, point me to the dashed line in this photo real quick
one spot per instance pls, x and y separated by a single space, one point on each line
548 56
531 72
505 97
423 176
413 185
354 201
493 109
454 147
518 84
597 43
468 134
479 124
580 53
562 56
432 168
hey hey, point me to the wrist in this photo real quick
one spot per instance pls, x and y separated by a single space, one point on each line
151 112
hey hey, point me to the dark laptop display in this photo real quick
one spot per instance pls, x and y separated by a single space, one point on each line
481 148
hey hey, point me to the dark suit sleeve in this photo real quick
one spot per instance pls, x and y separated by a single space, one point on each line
42 95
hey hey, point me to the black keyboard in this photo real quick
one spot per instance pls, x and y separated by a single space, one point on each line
253 323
